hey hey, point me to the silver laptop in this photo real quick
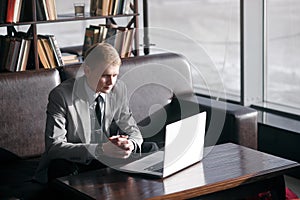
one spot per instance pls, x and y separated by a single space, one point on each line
184 144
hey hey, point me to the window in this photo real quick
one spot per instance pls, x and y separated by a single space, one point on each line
270 78
260 69
282 53
207 32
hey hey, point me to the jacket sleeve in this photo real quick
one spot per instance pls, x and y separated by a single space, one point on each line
124 118
58 142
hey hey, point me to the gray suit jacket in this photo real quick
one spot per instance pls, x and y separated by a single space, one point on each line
68 127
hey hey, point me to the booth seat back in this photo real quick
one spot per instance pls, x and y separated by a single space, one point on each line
154 80
23 102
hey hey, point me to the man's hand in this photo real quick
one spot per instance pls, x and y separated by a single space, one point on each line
118 146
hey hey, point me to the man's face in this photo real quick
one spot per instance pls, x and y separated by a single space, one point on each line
103 81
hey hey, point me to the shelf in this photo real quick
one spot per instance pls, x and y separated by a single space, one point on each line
68 18
17 24
132 22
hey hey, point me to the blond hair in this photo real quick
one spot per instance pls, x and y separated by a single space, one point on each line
102 54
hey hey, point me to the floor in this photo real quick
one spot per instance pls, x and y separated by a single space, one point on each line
293 184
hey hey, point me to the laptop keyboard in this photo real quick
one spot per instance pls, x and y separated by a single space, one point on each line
158 167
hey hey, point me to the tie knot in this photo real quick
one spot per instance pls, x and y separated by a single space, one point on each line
99 99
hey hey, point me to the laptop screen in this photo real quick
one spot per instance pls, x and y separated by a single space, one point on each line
184 143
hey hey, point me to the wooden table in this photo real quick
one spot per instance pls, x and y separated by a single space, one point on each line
228 171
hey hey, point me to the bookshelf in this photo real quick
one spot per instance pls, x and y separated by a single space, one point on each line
33 21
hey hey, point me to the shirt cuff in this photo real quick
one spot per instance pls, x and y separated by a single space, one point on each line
137 148
98 151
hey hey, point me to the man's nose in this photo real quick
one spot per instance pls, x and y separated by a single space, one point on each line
109 80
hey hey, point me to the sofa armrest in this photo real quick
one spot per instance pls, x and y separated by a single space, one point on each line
226 122
231 122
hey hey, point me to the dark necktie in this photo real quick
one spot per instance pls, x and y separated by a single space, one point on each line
98 100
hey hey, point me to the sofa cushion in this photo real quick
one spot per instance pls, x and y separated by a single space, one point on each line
24 97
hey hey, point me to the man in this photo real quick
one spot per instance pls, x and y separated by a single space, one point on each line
88 119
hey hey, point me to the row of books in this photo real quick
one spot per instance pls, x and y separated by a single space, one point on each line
13 11
111 7
18 54
70 58
49 52
119 37
15 52
46 10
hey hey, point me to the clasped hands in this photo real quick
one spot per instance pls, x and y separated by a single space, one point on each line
118 146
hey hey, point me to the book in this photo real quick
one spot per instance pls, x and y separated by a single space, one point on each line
102 7
118 7
17 11
67 62
25 55
31 55
40 10
26 11
57 52
50 49
96 32
98 7
13 11
111 8
24 49
44 3
21 54
103 32
5 40
3 11
120 39
69 58
10 10
12 55
111 34
88 40
127 48
42 54
93 7
1 47
51 9
105 7
49 52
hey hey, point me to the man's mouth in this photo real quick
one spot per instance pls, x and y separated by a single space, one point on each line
107 87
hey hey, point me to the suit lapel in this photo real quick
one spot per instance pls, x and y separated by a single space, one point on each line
109 111
82 108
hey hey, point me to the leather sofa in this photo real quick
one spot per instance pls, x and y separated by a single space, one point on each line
159 90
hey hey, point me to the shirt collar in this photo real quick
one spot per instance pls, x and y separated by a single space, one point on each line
91 94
